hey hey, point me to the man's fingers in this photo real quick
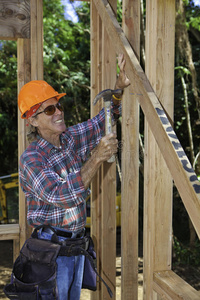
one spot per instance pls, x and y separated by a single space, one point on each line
120 57
121 62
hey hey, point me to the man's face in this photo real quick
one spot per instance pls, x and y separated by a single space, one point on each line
49 125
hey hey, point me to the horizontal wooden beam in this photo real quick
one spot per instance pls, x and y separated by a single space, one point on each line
9 231
169 285
14 19
179 165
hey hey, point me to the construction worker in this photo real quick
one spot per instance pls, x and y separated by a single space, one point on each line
57 167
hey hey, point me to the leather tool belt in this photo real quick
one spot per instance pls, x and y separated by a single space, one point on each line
34 271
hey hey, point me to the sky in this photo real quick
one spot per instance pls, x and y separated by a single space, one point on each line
70 13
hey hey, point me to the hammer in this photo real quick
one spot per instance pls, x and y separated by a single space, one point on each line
107 97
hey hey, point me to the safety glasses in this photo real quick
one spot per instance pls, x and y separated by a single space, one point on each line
50 110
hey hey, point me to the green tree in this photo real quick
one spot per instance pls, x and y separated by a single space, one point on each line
67 58
8 107
187 95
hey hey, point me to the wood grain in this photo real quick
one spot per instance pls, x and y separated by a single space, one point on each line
160 25
14 19
173 287
130 164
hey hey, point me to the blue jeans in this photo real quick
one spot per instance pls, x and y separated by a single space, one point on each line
69 271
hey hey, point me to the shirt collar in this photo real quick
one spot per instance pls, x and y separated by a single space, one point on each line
45 145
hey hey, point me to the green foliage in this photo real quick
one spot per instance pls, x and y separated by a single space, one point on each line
119 11
185 254
182 71
192 15
192 22
67 58
8 107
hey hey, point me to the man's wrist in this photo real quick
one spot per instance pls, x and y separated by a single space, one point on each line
117 87
117 98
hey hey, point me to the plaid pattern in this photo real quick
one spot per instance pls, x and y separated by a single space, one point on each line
50 176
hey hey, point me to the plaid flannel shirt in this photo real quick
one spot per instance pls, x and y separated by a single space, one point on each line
50 176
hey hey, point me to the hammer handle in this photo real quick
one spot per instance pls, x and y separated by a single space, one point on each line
108 125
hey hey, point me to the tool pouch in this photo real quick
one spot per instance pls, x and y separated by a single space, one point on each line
34 272
89 275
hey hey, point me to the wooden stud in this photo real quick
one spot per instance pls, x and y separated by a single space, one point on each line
157 180
36 39
34 48
40 68
108 186
29 58
104 226
24 75
95 87
130 164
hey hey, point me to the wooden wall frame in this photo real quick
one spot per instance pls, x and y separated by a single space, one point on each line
164 157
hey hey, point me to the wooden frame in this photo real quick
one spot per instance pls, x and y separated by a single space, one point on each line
164 157
174 157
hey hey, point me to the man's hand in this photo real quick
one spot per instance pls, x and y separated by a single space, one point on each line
104 150
106 147
122 80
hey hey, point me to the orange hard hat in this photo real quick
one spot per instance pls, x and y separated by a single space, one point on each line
35 92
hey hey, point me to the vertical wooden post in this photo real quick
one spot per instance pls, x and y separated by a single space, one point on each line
30 67
36 39
96 86
130 164
108 224
158 183
103 75
24 76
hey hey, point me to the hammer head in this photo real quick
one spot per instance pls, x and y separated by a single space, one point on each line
107 95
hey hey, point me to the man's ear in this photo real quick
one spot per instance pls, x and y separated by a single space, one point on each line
32 121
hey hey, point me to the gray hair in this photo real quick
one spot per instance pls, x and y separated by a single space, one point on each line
32 133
